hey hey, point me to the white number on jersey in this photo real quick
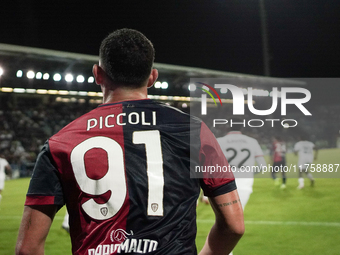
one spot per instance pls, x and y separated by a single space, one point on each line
114 180
244 159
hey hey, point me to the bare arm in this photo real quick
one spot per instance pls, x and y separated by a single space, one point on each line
228 227
35 224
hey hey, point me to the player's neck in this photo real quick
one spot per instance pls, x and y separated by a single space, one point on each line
123 94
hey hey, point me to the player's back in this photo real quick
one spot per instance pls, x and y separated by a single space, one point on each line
279 151
239 149
305 150
126 170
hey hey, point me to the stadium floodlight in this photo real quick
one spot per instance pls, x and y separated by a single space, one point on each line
57 77
163 97
90 79
42 91
164 85
46 76
80 79
92 94
82 93
6 89
69 77
52 92
63 92
158 84
32 91
192 87
19 90
224 90
1 71
19 73
38 75
30 74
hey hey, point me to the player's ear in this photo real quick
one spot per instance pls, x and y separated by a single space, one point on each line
152 78
99 74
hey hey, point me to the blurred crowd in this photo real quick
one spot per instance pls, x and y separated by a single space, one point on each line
25 127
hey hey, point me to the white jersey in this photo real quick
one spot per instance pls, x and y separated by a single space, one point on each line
3 164
305 152
241 152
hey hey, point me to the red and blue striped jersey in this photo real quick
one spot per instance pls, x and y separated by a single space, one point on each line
123 171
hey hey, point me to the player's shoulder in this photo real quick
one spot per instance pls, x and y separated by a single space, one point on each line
77 124
298 143
238 137
250 139
305 143
4 160
310 143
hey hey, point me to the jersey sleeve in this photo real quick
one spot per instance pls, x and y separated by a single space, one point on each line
45 186
222 180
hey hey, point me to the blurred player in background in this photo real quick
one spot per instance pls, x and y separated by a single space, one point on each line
307 152
5 169
278 153
241 152
123 169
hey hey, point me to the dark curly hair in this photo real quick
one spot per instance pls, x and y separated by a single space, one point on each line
127 57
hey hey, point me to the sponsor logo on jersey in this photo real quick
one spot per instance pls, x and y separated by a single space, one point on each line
123 242
119 235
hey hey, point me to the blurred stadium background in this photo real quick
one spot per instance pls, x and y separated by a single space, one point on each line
42 90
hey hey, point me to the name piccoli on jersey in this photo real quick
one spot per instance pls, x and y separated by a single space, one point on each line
121 119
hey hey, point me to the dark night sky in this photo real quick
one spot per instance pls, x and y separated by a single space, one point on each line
304 35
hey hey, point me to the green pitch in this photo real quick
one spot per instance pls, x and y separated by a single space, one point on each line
290 221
